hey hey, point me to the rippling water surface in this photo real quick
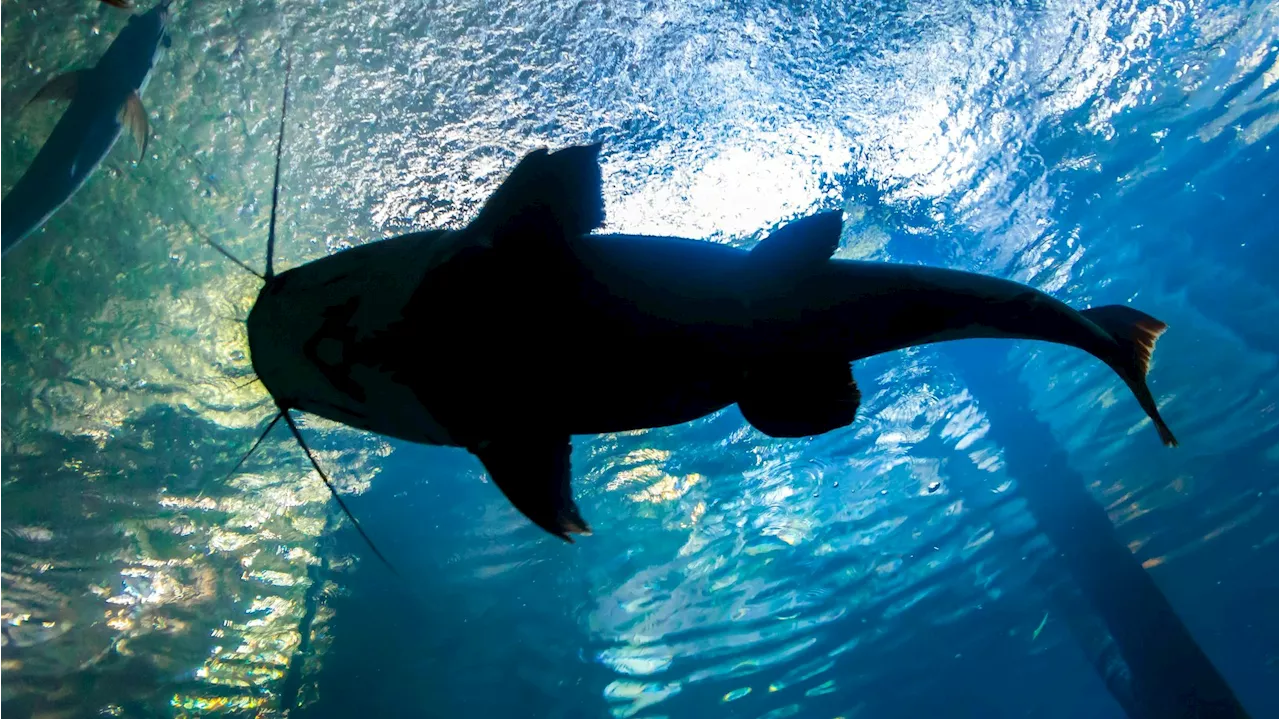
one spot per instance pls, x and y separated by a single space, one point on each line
1106 152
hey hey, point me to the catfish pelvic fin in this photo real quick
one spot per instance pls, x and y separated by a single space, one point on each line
62 87
549 197
134 116
794 400
533 472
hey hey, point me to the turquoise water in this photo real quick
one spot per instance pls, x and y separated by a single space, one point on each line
1106 152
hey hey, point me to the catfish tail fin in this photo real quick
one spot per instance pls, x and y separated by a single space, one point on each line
1136 333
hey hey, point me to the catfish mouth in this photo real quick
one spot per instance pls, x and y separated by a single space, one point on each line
268 358
302 354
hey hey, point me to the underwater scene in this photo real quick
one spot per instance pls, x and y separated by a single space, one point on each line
602 472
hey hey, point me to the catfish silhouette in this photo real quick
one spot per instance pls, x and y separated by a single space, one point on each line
511 335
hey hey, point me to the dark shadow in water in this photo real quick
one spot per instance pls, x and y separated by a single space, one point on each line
1170 674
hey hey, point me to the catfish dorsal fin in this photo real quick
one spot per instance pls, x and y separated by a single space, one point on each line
549 196
62 87
134 116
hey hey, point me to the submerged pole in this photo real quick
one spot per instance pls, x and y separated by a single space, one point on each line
1170 675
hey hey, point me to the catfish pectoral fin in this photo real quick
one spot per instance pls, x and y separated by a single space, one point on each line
533 472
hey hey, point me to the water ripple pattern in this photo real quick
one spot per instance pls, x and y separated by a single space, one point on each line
1091 149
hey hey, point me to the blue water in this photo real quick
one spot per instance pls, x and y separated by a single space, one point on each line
1106 152
824 578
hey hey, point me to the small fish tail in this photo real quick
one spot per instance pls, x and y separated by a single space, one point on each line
1136 334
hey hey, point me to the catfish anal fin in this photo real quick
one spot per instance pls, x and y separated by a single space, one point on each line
795 400
533 472
62 87
134 115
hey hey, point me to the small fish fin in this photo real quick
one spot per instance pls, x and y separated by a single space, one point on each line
122 4
549 197
134 116
793 400
1136 334
62 87
534 472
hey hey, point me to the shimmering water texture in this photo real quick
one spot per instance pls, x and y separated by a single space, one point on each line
1104 152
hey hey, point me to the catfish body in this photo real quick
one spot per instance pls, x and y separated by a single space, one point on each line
511 335
104 99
